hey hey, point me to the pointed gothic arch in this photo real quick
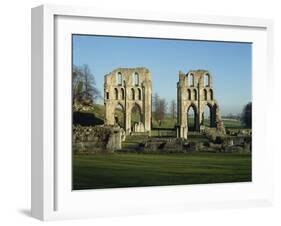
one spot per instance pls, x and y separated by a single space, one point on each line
139 94
122 94
133 94
119 115
188 94
211 94
119 78
136 114
192 117
191 80
116 93
207 115
195 97
205 94
207 80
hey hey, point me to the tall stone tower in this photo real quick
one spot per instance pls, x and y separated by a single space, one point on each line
194 93
128 89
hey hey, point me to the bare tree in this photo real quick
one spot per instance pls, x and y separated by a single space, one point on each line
162 109
77 84
155 103
84 88
173 109
159 108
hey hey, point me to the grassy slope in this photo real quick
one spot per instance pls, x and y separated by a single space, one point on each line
131 170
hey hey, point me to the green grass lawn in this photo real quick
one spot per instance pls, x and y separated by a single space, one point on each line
167 123
134 170
233 123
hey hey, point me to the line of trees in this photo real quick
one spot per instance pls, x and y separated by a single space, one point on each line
84 90
173 108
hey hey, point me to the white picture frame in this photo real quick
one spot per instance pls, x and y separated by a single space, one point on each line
52 198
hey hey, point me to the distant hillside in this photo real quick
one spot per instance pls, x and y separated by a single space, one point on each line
89 118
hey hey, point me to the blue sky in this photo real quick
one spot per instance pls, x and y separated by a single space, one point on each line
230 63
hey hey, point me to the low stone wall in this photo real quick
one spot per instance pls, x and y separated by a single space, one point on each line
163 145
239 132
93 139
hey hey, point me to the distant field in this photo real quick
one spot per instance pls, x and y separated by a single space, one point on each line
167 123
232 123
134 170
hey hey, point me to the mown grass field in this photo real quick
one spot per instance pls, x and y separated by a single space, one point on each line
232 124
134 170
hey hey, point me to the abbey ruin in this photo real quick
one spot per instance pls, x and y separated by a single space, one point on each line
195 93
127 90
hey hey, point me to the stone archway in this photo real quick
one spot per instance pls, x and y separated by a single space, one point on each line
192 118
136 122
119 115
129 87
208 116
196 89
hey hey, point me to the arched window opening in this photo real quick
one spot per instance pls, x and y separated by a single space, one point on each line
191 80
191 118
119 79
214 115
136 79
139 93
207 116
122 94
207 79
119 116
107 95
189 94
195 94
211 94
135 115
116 93
133 93
205 94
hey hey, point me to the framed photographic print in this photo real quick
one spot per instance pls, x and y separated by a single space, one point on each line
137 112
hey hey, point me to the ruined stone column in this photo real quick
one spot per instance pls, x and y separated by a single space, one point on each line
147 93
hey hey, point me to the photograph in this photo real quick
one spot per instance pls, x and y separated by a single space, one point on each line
152 111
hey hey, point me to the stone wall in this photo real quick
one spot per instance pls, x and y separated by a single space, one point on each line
95 139
163 145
